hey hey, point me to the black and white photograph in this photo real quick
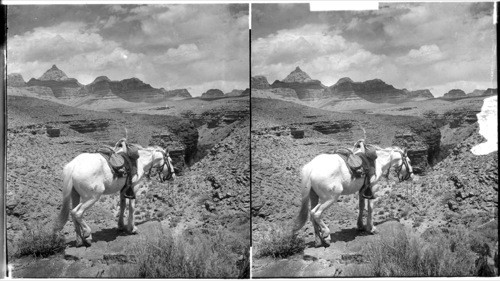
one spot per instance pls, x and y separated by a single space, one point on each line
127 141
246 139
374 141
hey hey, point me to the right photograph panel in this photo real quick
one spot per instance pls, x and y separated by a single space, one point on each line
374 141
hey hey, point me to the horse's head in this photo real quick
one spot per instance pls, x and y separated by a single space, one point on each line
165 170
403 165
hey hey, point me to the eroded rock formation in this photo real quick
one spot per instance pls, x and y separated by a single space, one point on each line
213 93
455 93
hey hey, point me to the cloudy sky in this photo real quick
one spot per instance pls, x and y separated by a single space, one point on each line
436 46
197 47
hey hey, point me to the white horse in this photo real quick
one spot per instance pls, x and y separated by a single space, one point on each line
327 177
88 176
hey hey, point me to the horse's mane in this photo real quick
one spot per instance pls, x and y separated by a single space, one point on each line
387 149
140 147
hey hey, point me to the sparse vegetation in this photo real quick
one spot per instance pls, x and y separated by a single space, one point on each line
39 242
278 242
408 254
208 254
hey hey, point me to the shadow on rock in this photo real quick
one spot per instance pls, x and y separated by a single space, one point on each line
347 235
108 234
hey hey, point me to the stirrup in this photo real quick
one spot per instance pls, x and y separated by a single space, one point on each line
128 196
371 197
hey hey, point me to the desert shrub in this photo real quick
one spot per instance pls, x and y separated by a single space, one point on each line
212 255
278 242
39 241
407 254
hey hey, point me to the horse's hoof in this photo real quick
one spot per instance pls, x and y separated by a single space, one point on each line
133 231
88 241
78 243
373 231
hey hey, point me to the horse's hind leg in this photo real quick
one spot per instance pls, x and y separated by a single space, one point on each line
318 217
361 210
313 197
77 214
75 198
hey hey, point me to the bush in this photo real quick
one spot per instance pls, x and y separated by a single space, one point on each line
212 255
39 242
407 254
278 242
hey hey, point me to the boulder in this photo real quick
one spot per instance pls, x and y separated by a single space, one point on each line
53 132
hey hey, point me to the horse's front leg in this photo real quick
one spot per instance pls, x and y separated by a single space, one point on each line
123 202
369 221
361 210
131 228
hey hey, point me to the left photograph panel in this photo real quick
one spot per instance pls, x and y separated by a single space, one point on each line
128 141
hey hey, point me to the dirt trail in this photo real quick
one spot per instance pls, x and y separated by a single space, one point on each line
344 254
111 250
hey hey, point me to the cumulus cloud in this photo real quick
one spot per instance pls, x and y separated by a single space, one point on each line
409 45
326 54
423 55
166 46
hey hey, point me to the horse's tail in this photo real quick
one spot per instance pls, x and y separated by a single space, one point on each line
301 219
66 191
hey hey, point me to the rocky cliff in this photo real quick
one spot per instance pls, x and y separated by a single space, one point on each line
297 76
277 93
15 80
62 89
455 93
54 74
376 91
422 141
213 93
419 94
490 91
476 93
134 90
260 82
234 93
305 87
131 90
177 93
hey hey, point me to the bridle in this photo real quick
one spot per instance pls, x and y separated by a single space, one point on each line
159 169
400 168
